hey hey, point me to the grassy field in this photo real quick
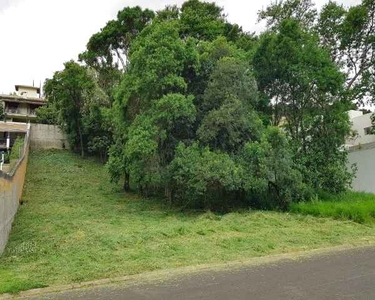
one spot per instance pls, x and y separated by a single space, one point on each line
75 226
359 207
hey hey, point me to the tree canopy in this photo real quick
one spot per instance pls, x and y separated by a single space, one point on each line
192 108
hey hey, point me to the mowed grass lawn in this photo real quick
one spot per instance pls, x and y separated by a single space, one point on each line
75 226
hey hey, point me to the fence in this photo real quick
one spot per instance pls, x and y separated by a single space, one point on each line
11 187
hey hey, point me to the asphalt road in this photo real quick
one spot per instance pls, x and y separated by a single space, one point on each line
344 275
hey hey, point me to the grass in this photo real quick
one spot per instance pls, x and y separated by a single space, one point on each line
75 226
358 207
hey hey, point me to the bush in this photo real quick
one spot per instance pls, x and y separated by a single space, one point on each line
16 151
47 115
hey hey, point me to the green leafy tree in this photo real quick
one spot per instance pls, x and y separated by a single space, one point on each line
203 178
108 49
70 90
47 115
302 11
270 174
115 38
228 116
350 37
192 112
305 85
201 20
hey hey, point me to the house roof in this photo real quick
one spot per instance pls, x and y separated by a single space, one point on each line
20 99
17 86
13 127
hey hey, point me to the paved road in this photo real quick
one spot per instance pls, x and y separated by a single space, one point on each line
344 275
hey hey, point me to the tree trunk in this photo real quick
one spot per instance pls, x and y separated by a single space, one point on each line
127 182
81 141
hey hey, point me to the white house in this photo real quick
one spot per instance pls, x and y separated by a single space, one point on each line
361 127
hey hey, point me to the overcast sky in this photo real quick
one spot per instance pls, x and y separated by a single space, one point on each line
38 36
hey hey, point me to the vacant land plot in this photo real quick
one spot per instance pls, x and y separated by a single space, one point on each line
75 226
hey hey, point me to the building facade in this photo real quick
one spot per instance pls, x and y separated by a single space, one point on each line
21 106
362 129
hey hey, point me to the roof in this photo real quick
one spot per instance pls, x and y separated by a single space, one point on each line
21 99
13 127
17 86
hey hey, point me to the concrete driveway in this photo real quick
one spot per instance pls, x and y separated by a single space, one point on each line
345 275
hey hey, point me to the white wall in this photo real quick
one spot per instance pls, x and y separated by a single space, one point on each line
28 92
365 160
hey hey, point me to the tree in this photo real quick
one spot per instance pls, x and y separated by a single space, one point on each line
228 116
350 37
302 11
113 42
203 178
70 90
47 114
304 86
270 173
201 20
115 38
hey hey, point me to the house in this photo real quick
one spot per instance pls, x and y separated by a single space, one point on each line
361 126
20 107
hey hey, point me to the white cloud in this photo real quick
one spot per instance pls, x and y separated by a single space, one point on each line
38 36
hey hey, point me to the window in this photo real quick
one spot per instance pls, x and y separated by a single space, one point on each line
369 130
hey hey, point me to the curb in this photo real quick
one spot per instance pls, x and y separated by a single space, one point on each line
155 276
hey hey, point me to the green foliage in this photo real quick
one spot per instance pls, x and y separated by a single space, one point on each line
294 71
183 99
17 149
302 11
350 37
203 178
201 20
227 116
69 90
270 173
47 115
190 98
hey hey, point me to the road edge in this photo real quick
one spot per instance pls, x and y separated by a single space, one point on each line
162 275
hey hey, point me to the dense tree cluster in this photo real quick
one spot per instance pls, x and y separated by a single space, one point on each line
191 107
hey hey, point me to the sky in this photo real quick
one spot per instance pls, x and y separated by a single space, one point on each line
38 36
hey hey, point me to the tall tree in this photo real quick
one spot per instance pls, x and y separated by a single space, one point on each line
305 85
115 38
355 30
69 90
302 11
108 50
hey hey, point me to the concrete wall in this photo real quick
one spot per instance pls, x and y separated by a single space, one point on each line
47 137
11 187
365 160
